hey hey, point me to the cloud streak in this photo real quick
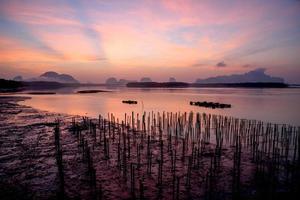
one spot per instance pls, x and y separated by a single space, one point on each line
149 34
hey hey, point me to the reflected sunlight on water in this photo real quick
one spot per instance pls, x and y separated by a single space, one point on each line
270 105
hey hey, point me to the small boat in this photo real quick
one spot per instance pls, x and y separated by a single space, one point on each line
129 101
212 105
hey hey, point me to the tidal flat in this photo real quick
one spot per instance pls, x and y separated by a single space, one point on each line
46 155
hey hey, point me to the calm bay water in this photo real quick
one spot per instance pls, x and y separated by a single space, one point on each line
269 105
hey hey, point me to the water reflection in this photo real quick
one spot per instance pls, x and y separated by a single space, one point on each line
272 105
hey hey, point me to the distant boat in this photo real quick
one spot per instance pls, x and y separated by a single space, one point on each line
129 101
212 105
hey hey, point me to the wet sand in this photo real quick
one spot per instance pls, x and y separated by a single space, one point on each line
27 156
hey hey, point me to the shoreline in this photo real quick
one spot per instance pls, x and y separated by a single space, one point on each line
27 158
26 135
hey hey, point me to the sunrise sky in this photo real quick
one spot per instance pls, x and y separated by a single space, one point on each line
186 39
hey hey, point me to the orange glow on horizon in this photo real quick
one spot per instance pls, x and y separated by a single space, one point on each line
182 38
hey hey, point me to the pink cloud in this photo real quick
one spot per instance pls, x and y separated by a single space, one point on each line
39 13
142 35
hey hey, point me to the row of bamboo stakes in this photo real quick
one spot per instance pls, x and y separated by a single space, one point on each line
185 155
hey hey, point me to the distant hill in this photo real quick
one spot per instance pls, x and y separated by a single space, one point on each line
112 81
242 85
18 78
172 79
211 85
145 80
54 77
124 82
255 76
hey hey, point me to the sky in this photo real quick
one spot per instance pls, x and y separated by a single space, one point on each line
185 39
